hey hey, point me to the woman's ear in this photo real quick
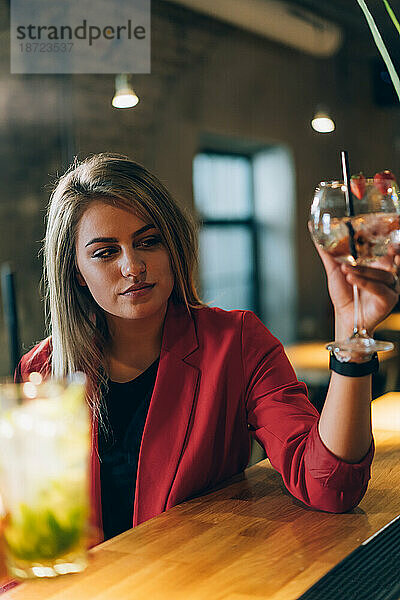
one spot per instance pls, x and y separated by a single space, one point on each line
79 277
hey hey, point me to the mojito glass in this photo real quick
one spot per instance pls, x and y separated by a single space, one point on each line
44 460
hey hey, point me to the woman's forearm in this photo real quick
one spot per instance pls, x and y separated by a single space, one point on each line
345 422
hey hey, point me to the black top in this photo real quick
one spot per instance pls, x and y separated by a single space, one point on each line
125 407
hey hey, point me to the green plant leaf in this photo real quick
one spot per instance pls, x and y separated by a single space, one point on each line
381 47
392 15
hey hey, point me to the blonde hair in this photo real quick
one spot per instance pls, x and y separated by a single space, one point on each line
77 325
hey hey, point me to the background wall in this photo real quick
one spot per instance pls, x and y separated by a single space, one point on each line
207 78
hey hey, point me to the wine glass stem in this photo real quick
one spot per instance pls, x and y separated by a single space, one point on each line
358 327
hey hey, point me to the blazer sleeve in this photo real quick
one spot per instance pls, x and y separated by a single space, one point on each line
285 423
37 359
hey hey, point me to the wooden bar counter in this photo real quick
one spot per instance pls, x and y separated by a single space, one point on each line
248 540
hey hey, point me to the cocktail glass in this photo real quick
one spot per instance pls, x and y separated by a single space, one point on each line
368 237
44 459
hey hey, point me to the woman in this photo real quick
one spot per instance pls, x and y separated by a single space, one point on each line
178 388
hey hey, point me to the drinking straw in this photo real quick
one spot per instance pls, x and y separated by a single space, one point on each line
349 200
347 193
10 314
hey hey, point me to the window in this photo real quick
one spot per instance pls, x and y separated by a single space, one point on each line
245 203
224 198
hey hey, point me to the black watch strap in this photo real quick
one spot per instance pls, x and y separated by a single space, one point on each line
352 369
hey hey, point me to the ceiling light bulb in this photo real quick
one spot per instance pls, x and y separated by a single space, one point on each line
322 122
124 96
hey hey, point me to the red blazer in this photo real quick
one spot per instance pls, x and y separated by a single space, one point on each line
222 378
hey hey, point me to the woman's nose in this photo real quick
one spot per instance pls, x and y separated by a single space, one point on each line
132 264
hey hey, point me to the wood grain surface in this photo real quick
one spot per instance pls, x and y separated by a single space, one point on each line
248 540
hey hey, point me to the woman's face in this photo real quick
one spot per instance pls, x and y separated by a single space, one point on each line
116 250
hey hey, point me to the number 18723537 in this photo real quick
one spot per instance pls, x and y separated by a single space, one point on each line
33 47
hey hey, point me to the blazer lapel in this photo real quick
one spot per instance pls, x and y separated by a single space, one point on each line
169 415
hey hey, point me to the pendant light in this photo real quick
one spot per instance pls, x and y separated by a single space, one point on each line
322 121
124 96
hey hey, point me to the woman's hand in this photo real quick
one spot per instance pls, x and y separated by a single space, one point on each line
378 286
345 422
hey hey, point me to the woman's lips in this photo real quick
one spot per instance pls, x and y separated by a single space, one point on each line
138 293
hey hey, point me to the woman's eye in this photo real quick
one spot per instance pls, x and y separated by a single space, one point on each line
148 242
106 253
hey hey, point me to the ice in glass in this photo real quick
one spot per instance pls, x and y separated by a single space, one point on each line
44 457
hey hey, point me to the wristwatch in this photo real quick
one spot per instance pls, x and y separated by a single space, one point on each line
353 369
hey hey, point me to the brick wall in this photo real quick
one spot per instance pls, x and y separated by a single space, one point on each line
207 78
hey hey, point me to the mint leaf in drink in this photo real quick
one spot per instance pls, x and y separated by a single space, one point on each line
37 535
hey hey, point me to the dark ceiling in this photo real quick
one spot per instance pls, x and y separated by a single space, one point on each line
346 12
349 15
